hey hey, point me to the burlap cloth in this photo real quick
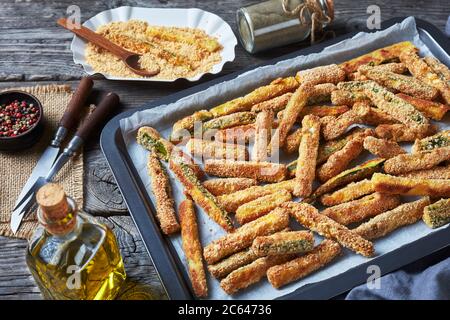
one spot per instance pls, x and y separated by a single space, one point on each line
16 167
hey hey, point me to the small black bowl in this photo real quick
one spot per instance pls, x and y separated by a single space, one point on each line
30 137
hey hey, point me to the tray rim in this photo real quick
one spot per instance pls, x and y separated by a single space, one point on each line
164 257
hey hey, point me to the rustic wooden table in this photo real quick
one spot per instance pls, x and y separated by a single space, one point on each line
34 50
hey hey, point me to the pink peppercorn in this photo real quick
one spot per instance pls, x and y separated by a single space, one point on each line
17 118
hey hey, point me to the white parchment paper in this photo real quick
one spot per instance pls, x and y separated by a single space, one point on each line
164 116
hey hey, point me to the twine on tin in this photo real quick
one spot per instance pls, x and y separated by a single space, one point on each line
318 17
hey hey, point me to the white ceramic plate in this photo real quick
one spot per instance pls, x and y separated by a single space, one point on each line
212 24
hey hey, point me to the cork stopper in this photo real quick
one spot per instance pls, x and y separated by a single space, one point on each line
55 212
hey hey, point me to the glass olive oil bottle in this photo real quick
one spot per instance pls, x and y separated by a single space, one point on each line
71 255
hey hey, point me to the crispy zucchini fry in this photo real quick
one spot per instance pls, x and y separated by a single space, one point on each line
310 217
382 148
385 183
187 123
283 243
321 93
275 104
260 171
431 109
192 247
396 67
333 128
385 223
440 172
417 161
319 110
293 141
439 68
229 121
200 195
402 133
437 214
165 211
307 156
324 74
348 98
350 192
439 140
300 267
233 262
200 148
239 134
221 186
274 89
422 71
263 132
383 55
252 273
257 208
243 237
234 200
361 209
376 117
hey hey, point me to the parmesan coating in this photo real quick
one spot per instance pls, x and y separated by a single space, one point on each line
396 67
438 67
239 134
333 128
439 172
187 123
205 149
437 214
321 93
275 104
243 237
293 141
417 161
263 132
165 211
431 109
361 209
233 262
348 193
324 74
411 186
283 243
376 117
382 148
260 171
232 201
385 223
345 97
221 186
439 140
257 208
229 121
310 217
404 133
300 267
307 156
318 110
192 247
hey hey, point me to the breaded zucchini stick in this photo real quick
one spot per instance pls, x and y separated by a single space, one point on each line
348 193
398 82
165 211
321 93
348 98
385 183
403 133
229 121
431 109
283 243
201 148
187 123
233 262
300 267
257 208
293 108
417 161
221 186
439 140
293 141
361 209
243 237
200 195
260 171
422 71
239 134
333 128
440 172
263 132
275 104
437 214
439 68
382 148
362 171
192 247
274 89
307 156
396 67
385 223
252 273
324 74
377 57
234 200
310 217
376 117
319 110
339 160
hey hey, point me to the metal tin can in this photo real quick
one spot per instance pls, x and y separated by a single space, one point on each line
266 25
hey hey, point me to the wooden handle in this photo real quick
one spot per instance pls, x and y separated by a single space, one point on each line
108 103
73 112
96 39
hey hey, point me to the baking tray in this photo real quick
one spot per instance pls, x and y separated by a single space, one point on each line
162 253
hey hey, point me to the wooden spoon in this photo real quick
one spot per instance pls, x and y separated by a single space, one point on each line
130 59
